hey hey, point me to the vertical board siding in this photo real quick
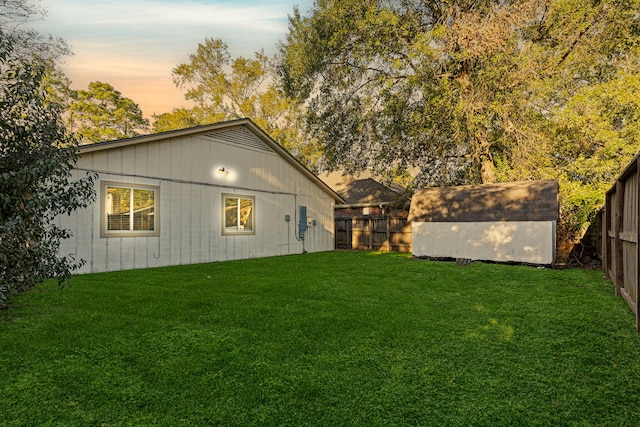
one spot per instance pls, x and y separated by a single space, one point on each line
128 159
190 211
114 161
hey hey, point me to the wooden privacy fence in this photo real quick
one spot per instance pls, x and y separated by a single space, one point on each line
373 233
621 234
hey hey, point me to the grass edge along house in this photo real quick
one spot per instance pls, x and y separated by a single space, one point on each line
216 192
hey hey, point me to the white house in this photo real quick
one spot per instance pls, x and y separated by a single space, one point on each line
507 222
217 192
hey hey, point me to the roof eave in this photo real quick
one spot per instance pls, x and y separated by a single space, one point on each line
363 205
99 146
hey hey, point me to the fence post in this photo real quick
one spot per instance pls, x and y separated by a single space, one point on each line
637 225
350 233
606 220
617 242
607 250
388 223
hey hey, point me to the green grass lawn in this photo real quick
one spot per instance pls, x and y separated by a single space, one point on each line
340 338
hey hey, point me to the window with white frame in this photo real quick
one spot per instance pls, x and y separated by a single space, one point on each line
238 214
129 210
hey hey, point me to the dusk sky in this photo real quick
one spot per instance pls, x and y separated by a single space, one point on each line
134 44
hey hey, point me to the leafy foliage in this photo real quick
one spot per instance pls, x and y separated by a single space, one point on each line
58 88
225 89
596 135
181 118
36 159
470 91
101 113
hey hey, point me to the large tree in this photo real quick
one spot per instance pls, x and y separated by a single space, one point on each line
102 113
37 156
470 91
432 84
226 88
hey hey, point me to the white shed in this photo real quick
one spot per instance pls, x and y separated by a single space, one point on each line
508 222
217 192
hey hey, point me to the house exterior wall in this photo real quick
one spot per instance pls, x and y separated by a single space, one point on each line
530 242
186 170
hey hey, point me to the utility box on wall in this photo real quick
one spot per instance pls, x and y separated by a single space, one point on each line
509 222
302 221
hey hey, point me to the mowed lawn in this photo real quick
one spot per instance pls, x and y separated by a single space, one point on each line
329 339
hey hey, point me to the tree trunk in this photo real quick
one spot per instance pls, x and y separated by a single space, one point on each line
487 171
484 158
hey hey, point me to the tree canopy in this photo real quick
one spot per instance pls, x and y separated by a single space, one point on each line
471 91
226 88
101 113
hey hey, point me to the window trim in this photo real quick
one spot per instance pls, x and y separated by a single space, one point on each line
238 232
104 232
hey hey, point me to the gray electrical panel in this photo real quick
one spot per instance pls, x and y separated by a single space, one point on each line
302 222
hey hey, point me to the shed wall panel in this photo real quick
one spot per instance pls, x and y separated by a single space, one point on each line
513 241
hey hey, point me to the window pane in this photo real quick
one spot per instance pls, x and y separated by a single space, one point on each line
118 208
246 214
231 213
143 210
238 214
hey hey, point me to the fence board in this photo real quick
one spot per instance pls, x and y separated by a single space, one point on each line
608 235
629 261
621 237
373 233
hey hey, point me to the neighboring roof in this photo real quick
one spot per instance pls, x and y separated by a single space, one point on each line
204 129
511 201
359 190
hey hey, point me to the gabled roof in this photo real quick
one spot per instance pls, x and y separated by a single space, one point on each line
360 190
511 201
204 130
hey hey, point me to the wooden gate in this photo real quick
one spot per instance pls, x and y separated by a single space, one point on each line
373 233
621 235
